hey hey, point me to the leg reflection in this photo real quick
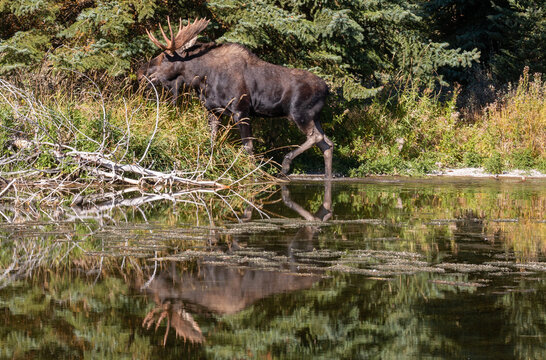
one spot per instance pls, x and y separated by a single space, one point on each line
324 213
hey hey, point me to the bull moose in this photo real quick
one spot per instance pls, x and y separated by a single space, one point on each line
232 80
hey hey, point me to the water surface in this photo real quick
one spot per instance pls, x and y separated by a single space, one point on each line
386 268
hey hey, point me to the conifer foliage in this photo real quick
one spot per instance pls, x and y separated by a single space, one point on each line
523 28
356 45
510 34
82 35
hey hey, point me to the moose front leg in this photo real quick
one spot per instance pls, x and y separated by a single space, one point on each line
214 123
175 91
287 161
246 133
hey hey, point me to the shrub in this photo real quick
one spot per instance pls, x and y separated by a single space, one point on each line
410 131
472 158
515 125
517 122
522 159
404 131
494 164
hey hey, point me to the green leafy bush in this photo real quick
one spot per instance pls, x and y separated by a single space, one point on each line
522 159
472 158
494 164
408 132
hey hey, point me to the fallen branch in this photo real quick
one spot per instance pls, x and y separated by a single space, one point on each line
7 187
50 155
95 204
144 174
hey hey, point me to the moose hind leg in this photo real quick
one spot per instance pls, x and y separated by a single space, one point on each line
327 147
314 136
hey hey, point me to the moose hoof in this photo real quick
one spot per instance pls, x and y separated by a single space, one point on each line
282 176
286 165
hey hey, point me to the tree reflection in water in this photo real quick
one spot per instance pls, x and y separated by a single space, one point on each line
430 270
224 290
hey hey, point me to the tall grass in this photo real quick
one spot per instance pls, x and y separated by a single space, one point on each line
515 125
414 132
123 124
408 132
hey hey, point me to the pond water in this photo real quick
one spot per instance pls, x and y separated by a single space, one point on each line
382 268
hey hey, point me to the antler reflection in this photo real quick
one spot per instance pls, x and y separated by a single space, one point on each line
216 289
177 318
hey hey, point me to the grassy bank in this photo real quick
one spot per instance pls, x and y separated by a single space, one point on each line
46 124
404 131
415 132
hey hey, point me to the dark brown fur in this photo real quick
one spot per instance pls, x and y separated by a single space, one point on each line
229 79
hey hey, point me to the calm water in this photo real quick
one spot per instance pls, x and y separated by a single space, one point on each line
387 269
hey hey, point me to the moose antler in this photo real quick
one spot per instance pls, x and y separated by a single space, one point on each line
184 39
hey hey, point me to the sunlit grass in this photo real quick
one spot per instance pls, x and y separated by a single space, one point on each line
126 125
515 126
411 131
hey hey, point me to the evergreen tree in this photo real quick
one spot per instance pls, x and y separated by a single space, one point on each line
510 34
26 32
523 27
357 45
98 35
463 23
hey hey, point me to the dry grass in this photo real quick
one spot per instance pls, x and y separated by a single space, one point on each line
118 122
518 120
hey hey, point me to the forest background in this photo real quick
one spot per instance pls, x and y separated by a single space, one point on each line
415 85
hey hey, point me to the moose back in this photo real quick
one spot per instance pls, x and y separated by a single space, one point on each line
229 79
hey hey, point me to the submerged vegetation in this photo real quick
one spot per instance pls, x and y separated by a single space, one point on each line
414 224
109 280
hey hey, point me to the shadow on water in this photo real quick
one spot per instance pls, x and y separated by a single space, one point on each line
389 268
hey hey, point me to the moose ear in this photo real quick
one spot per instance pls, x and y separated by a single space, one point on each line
189 44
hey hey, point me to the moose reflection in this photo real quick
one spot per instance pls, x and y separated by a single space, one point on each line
213 289
304 239
324 213
223 289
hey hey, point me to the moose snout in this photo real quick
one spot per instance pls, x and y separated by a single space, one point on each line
145 79
141 73
147 75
